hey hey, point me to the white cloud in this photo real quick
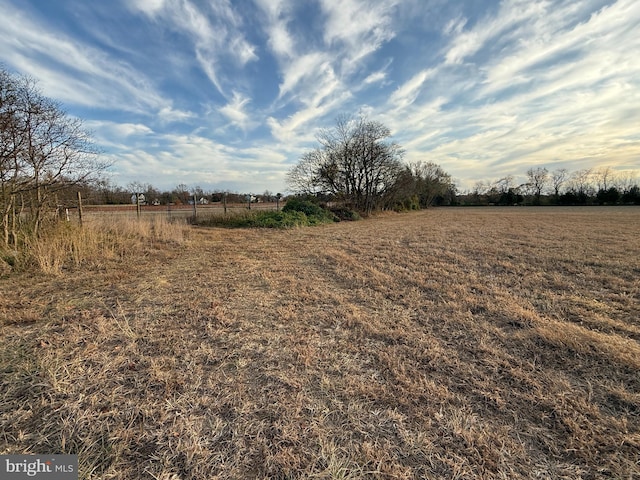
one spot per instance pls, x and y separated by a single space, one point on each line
150 7
305 67
279 39
600 46
168 114
407 93
454 26
510 15
197 160
357 28
515 84
360 23
215 33
235 111
375 77
73 72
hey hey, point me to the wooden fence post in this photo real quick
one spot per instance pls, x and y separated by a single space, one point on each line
138 205
195 208
80 208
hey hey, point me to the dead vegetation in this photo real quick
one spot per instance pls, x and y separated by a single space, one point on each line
451 343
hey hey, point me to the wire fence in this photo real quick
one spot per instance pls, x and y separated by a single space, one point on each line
174 211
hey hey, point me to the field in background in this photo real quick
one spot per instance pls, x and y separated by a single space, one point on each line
449 343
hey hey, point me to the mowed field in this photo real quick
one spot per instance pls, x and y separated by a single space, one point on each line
492 343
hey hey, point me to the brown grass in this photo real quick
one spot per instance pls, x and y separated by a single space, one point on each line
65 245
451 343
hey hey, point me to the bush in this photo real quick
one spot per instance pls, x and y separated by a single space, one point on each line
343 213
267 219
316 215
305 206
281 220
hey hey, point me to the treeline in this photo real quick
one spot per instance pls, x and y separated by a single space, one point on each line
105 192
601 186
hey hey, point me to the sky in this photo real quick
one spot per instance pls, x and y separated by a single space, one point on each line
228 94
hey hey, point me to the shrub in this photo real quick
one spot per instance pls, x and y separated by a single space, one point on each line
281 219
305 206
267 219
343 213
316 215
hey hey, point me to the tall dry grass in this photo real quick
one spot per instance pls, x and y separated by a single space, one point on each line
488 343
102 238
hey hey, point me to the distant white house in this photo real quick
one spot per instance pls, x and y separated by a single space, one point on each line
140 197
202 201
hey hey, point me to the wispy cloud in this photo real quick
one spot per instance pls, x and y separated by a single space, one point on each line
407 93
215 33
235 111
498 28
375 77
279 39
75 73
362 25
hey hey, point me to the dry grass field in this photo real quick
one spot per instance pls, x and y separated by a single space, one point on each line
492 343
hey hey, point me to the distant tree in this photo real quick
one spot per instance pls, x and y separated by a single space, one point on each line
108 193
478 194
610 196
603 178
558 179
431 182
580 188
199 193
504 192
632 195
267 196
136 187
538 179
181 194
355 163
624 181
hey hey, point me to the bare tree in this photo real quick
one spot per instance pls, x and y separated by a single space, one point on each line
431 181
538 179
504 184
558 179
304 177
43 150
604 177
181 193
355 163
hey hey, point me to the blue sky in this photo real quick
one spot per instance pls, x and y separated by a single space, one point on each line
227 94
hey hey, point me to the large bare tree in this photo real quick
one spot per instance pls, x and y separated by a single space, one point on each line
42 150
356 163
